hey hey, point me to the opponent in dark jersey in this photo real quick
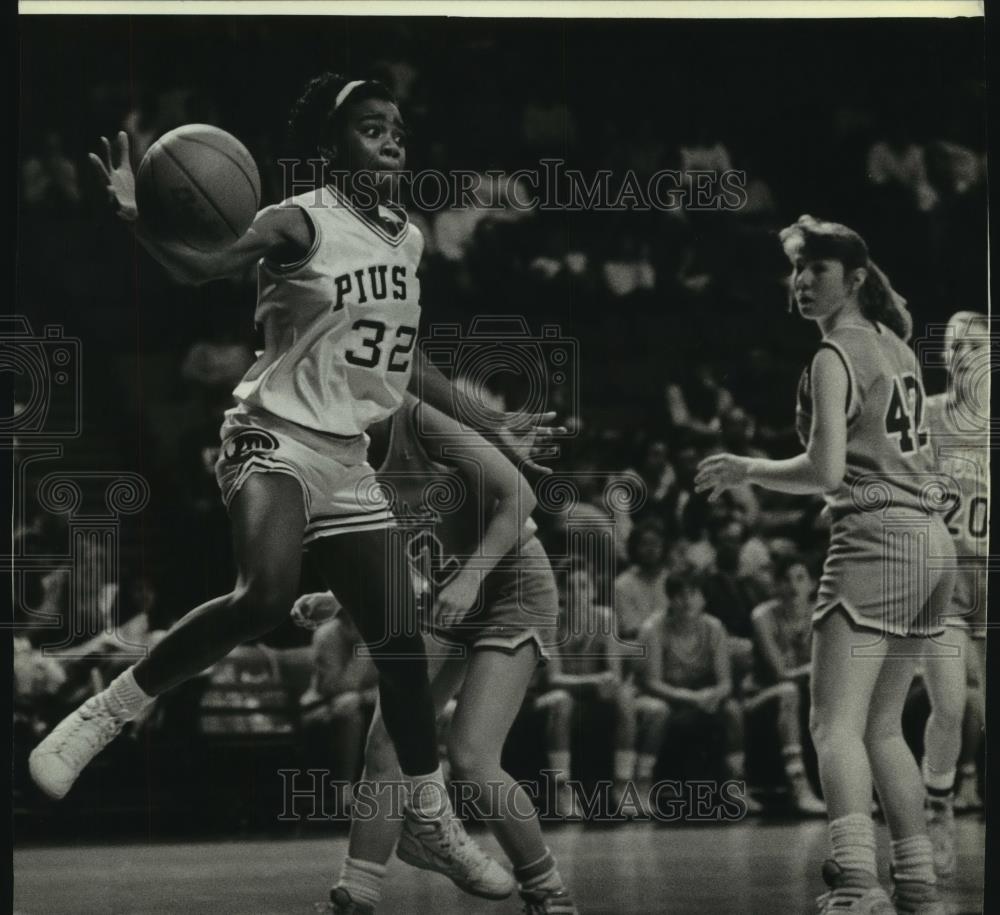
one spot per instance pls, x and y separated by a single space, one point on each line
489 597
889 571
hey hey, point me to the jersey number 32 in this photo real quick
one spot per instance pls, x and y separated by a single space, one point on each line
369 354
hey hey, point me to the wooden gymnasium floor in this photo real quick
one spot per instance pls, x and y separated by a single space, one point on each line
741 869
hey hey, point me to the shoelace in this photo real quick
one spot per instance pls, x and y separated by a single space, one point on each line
76 751
465 849
439 833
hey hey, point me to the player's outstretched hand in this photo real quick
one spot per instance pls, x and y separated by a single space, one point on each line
720 472
114 169
523 437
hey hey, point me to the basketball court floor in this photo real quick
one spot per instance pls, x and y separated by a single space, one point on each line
741 869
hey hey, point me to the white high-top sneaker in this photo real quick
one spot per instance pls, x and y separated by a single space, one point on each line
60 758
444 846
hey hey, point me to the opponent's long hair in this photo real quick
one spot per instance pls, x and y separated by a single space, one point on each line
316 116
816 238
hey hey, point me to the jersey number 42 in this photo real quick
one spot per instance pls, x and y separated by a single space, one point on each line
904 418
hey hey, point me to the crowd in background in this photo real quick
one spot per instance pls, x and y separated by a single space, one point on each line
684 346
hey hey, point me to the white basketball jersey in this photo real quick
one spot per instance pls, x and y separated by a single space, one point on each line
962 445
340 325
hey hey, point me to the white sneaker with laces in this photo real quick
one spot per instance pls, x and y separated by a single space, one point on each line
56 763
852 893
444 846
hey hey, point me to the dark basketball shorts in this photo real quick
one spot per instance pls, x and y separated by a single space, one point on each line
894 575
520 604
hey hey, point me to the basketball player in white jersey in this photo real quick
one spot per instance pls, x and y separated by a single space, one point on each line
339 302
959 426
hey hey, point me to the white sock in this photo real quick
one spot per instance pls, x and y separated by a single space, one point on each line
428 797
624 765
124 696
853 841
913 859
363 880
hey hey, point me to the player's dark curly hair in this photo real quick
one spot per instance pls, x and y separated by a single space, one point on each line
313 121
877 299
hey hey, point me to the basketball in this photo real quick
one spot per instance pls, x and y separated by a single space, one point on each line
198 185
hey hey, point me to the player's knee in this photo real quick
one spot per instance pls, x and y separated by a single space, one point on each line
883 729
469 762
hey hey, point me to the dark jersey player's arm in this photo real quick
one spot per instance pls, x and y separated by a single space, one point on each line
431 385
507 498
281 234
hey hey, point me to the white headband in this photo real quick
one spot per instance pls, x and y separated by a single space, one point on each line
346 91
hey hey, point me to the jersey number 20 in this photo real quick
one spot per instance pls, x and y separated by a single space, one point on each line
905 414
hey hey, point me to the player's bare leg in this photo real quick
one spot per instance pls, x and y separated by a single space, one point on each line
973 722
491 696
268 519
945 678
842 687
373 837
372 582
899 783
